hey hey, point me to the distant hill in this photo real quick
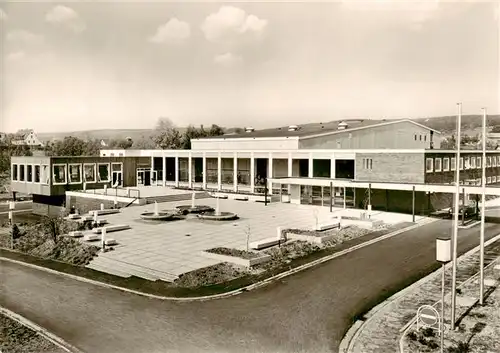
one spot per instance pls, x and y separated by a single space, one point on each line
471 124
135 134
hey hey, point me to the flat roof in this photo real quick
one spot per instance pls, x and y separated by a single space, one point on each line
315 129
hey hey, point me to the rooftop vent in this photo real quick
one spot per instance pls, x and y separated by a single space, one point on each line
249 129
293 128
342 125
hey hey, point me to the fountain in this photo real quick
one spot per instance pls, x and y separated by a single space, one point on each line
217 215
157 215
185 209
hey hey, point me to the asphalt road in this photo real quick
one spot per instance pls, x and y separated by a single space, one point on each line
306 312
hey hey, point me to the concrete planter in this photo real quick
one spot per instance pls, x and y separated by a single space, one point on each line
362 223
310 238
238 260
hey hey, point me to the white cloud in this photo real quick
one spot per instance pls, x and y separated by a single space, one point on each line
172 31
65 16
414 13
228 59
16 56
25 37
230 21
3 15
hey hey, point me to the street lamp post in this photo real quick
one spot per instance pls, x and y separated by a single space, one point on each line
455 226
443 255
12 206
483 209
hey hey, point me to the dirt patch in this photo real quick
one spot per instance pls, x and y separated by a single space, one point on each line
17 338
247 255
34 240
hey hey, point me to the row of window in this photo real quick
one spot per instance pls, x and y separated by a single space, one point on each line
367 163
64 173
420 137
447 164
489 180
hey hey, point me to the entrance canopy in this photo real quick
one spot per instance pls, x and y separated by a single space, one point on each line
443 188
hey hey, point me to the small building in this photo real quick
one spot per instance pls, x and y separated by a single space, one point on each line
27 138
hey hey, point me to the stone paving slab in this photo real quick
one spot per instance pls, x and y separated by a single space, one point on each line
166 244
382 330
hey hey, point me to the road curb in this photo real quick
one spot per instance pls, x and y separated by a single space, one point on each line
236 291
349 344
40 330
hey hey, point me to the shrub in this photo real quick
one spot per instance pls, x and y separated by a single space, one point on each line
412 335
16 233
428 332
461 347
433 344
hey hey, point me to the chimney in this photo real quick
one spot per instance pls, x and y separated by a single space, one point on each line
293 128
249 129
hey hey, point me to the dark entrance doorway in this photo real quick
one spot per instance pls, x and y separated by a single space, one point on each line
170 166
344 169
198 170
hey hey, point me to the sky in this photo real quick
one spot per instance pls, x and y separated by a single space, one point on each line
97 65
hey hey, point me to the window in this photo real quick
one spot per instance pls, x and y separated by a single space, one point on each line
478 162
425 137
446 164
415 137
437 165
498 160
45 174
488 163
75 173
103 173
493 179
112 154
461 166
429 167
14 172
29 173
371 163
488 180
367 163
420 137
494 161
89 173
21 172
59 173
116 167
467 163
473 162
120 154
37 174
453 163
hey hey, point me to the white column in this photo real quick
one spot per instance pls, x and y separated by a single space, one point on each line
332 167
290 169
219 172
252 173
152 169
177 170
310 165
235 171
270 174
190 170
204 170
164 161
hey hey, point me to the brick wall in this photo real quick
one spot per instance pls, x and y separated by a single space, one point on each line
391 167
84 205
46 210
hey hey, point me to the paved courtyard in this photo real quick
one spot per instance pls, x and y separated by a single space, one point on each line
167 249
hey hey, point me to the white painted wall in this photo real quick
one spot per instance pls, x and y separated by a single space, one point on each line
244 144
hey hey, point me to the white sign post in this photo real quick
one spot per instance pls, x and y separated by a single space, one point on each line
12 206
443 255
428 316
103 238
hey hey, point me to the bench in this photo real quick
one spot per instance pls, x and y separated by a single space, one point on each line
265 243
76 234
326 226
87 218
241 198
104 212
91 237
110 242
113 228
74 216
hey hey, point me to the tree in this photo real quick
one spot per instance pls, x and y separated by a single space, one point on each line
52 226
144 143
121 143
70 146
169 139
496 129
216 130
163 124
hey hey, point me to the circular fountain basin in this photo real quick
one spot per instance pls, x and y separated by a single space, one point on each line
160 216
221 216
185 209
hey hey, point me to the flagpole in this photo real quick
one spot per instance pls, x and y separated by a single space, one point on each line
483 211
455 225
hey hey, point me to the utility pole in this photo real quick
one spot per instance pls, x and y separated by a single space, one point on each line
455 226
483 209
